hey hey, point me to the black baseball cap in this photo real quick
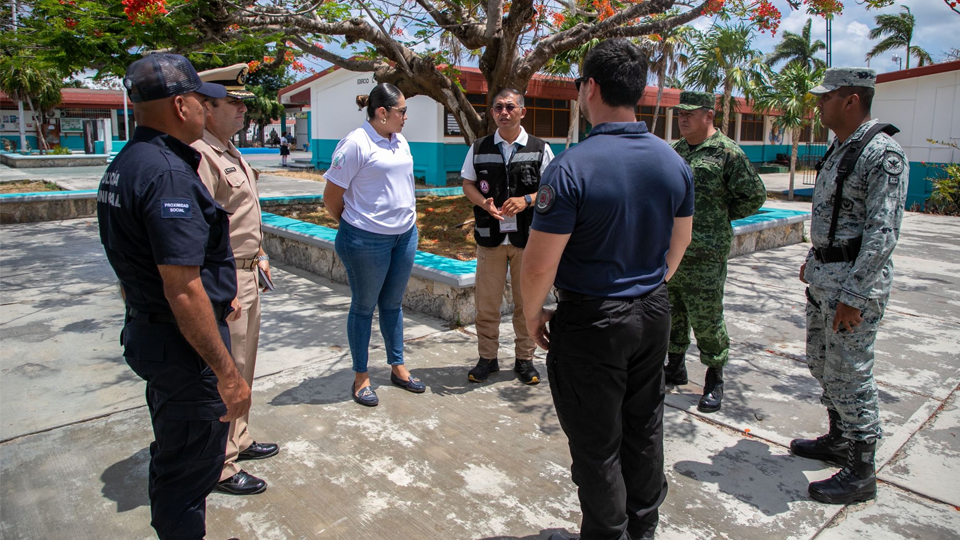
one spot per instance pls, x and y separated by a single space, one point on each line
159 76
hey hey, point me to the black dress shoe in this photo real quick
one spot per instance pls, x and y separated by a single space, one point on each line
259 451
242 483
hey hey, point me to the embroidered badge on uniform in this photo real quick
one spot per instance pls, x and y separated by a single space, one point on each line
893 165
484 186
337 161
176 208
545 198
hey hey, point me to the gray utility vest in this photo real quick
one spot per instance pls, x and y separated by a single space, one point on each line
494 179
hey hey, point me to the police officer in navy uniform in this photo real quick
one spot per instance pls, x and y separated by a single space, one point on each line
169 244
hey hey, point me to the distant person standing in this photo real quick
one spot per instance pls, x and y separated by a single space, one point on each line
233 184
168 242
727 188
370 192
284 149
613 217
501 174
857 209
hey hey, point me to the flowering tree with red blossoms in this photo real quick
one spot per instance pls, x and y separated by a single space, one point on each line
414 44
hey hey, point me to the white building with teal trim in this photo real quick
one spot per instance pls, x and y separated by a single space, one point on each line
922 102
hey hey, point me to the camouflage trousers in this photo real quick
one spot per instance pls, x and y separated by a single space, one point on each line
842 362
696 300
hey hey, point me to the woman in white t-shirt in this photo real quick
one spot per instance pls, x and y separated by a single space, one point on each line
370 192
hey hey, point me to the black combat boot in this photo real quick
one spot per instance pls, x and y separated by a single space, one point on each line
831 447
675 372
712 391
856 481
483 370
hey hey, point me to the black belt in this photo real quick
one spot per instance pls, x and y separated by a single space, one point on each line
219 312
570 296
847 253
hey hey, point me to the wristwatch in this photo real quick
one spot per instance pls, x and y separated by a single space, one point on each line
263 257
528 199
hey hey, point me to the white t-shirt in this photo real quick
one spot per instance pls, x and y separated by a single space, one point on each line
507 150
377 174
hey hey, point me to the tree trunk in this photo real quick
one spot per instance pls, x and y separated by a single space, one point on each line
656 110
727 92
22 126
574 122
908 53
795 143
41 140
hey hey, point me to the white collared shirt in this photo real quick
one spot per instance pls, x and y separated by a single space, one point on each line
467 172
377 174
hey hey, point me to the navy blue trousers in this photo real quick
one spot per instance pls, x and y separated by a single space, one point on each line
187 454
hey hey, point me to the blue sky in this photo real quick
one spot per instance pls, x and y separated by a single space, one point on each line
937 30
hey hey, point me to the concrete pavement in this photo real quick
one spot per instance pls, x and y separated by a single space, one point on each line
463 461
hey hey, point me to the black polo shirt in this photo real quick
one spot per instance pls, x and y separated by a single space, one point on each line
152 210
616 194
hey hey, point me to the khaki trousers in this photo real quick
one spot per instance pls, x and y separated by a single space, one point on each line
490 281
244 338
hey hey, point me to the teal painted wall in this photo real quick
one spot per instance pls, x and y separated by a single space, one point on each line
920 188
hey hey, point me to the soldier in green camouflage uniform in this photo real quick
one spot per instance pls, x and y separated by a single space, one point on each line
849 276
726 187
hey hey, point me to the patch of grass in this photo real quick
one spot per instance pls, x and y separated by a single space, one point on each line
28 186
445 225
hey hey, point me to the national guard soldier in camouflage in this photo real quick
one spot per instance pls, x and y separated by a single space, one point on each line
727 188
849 272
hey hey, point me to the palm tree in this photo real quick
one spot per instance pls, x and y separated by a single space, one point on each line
567 63
899 32
23 81
787 95
670 49
797 48
723 57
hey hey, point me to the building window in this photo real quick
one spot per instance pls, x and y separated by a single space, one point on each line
547 117
751 128
645 114
450 126
820 137
675 130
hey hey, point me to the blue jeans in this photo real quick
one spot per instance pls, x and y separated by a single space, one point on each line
378 267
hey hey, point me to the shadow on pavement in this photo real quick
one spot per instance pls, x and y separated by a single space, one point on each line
750 473
125 482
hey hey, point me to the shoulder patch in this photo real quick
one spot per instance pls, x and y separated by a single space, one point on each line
892 163
545 198
176 208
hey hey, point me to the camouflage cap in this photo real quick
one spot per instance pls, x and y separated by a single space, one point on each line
697 100
849 76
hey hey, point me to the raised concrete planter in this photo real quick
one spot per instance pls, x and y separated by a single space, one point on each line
18 161
438 286
47 206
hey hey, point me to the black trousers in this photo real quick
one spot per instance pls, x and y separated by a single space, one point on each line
187 454
606 376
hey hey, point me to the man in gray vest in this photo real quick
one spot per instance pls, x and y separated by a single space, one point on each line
501 175
857 209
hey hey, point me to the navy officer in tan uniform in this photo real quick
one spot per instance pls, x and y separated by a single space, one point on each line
233 184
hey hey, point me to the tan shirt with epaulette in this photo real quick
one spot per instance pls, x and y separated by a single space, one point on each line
233 183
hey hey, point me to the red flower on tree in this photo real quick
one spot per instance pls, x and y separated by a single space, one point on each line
144 11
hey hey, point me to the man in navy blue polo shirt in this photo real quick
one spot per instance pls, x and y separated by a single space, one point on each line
169 244
613 217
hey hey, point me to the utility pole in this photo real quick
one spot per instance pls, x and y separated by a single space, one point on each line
23 122
830 41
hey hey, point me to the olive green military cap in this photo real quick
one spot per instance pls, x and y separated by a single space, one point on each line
835 78
697 100
232 77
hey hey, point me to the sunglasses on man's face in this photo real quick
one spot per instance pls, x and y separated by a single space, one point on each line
500 107
579 80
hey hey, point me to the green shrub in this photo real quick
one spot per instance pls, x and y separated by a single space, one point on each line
945 198
59 151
